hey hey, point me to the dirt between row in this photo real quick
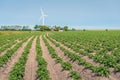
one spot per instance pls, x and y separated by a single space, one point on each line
31 64
55 70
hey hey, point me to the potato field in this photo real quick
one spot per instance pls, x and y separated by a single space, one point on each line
67 55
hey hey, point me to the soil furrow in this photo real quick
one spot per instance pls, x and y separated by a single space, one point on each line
55 70
5 70
31 65
114 75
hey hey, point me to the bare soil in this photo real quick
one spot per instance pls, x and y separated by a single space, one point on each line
114 76
31 65
55 70
5 70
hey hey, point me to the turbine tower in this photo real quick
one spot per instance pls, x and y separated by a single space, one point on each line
43 17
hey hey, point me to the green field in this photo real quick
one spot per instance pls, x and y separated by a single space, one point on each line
67 55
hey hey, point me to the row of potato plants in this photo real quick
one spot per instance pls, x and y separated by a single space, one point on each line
91 40
4 59
100 56
17 73
42 72
105 45
6 39
7 46
103 58
99 70
65 65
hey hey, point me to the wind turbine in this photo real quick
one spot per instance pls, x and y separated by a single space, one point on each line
43 17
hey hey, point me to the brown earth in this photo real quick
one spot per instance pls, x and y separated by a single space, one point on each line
114 76
31 65
55 70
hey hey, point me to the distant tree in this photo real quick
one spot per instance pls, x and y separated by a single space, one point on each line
26 28
84 29
65 28
57 28
44 28
106 29
37 27
47 28
73 29
14 27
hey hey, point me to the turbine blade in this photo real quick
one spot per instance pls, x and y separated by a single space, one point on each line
42 13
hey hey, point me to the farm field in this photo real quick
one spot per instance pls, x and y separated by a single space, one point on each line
67 55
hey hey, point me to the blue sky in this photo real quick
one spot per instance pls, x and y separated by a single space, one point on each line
90 14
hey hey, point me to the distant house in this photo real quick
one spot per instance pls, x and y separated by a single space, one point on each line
52 29
61 30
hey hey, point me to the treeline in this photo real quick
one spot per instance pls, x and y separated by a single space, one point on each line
36 27
15 27
51 28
